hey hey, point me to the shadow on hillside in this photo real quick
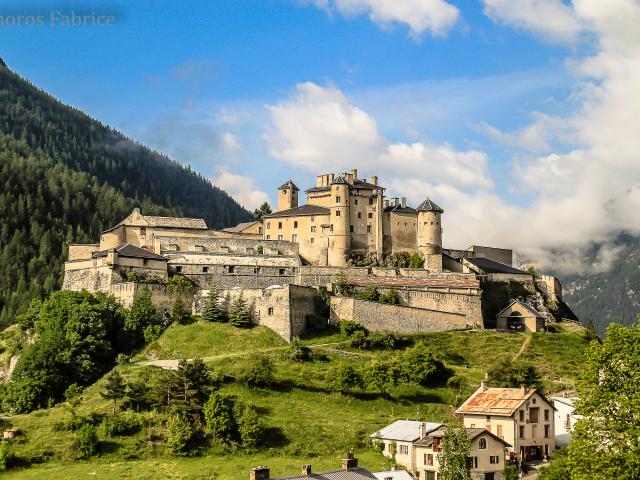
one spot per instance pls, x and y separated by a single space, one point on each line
425 397
107 446
274 437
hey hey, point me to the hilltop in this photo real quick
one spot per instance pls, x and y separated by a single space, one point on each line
306 421
66 177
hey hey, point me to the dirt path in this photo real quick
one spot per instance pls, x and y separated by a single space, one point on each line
173 364
523 348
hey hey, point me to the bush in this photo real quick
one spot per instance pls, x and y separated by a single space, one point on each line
419 366
260 373
373 341
249 427
4 455
179 434
298 352
391 297
76 422
416 260
457 382
348 328
123 425
510 374
152 332
370 293
217 415
342 378
87 441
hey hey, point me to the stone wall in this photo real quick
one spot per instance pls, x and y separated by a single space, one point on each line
378 317
160 296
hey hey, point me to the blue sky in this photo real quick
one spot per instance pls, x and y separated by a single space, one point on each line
253 92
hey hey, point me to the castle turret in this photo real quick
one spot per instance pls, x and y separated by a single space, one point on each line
339 234
287 196
430 234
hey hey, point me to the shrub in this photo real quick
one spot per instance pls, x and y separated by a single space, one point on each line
348 327
298 352
249 427
342 378
510 374
416 260
341 285
217 415
370 293
358 339
260 373
457 382
4 454
152 332
419 366
390 297
75 422
123 425
87 441
179 434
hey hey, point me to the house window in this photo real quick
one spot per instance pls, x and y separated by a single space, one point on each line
351 228
282 271
430 475
312 240
313 228
369 215
428 459
371 201
494 459
499 432
280 237
404 450
143 231
313 219
546 415
295 224
260 230
179 269
522 415
533 415
294 238
205 269
270 311
368 228
331 227
547 430
338 213
567 421
521 431
268 237
472 462
231 269
338 199
482 444
268 225
280 225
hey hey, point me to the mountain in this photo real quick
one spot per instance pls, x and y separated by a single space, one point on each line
66 177
609 296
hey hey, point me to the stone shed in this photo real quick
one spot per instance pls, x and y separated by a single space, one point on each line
520 317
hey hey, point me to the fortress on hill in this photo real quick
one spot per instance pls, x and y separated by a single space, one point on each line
279 264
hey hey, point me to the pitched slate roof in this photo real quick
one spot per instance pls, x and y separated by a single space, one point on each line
365 185
404 430
351 474
491 266
526 306
471 432
496 401
339 179
399 209
162 222
317 189
131 251
429 206
288 184
298 211
240 227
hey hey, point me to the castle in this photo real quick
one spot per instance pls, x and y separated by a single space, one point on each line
280 263
346 216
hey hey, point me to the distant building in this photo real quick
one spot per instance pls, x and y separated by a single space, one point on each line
398 438
349 471
393 475
565 418
520 317
520 416
246 228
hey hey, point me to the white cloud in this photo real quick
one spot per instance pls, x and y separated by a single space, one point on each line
552 19
243 189
435 16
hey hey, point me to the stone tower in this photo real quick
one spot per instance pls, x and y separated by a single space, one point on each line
287 196
339 234
430 234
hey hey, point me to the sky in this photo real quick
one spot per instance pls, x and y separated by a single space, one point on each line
518 117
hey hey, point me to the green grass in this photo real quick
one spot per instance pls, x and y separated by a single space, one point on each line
306 422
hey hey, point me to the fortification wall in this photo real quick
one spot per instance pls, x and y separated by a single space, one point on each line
89 276
160 296
378 317
229 244
324 276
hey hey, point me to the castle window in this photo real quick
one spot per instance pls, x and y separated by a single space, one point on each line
205 269
279 225
370 215
338 199
337 213
295 224
260 230
359 214
282 271
313 228
331 227
268 225
426 223
256 270
351 228
279 237
294 238
179 269
268 237
270 311
231 269
312 240
370 200
355 201
368 228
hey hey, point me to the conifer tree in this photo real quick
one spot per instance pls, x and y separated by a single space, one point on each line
213 311
239 314
114 389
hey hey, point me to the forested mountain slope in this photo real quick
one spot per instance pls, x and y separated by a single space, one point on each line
66 177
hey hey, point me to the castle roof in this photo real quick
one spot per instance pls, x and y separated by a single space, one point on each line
289 184
136 219
317 189
131 251
300 211
240 227
486 265
339 180
399 209
429 206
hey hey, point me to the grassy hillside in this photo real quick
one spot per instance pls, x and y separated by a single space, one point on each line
306 422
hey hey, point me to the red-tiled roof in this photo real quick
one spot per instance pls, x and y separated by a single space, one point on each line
496 401
413 282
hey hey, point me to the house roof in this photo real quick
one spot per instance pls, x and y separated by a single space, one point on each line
393 475
496 401
404 430
240 227
565 400
471 432
526 306
299 211
288 184
131 251
351 474
491 266
429 206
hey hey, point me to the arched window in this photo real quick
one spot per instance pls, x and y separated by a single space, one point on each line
482 444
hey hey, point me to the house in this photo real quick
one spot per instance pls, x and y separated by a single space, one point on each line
565 419
520 416
349 471
393 475
486 459
520 317
398 437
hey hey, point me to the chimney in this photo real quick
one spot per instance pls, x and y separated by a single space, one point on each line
483 386
306 470
385 203
350 461
374 180
524 390
423 430
404 202
259 473
319 181
354 173
395 201
136 210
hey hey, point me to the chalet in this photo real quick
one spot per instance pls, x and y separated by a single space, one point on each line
398 437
